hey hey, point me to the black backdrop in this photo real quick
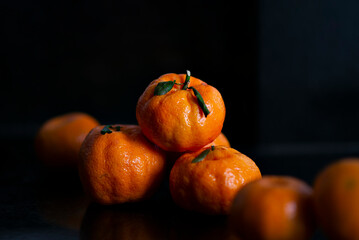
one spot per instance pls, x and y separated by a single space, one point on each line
288 70
98 57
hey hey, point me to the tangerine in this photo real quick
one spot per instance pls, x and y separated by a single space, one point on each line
59 139
118 164
336 198
272 208
208 179
180 113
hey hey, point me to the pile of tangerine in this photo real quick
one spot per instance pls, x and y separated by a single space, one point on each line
180 119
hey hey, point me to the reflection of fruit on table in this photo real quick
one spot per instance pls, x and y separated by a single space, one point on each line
191 225
127 221
62 207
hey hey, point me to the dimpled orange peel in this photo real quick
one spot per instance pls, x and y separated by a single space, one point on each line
207 180
118 164
180 113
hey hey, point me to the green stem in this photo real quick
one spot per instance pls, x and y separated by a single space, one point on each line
186 82
107 129
203 155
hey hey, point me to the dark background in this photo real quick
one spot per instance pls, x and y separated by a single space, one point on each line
288 71
98 57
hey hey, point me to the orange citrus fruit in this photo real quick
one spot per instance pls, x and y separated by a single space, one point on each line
180 113
59 139
118 164
274 207
336 198
207 180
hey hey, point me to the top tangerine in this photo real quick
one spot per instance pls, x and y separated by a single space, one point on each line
182 118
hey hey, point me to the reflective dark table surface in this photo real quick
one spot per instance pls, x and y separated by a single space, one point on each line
38 203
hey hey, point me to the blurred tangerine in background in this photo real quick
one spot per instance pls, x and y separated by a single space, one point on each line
272 208
336 198
59 139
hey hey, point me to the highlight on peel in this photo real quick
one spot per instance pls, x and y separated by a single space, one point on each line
58 141
179 112
118 164
207 180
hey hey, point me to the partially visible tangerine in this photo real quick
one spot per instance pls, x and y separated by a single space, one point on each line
59 139
336 198
272 208
118 164
221 140
207 180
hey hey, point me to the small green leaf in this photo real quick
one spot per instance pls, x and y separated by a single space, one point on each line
186 82
201 156
200 101
106 129
164 87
